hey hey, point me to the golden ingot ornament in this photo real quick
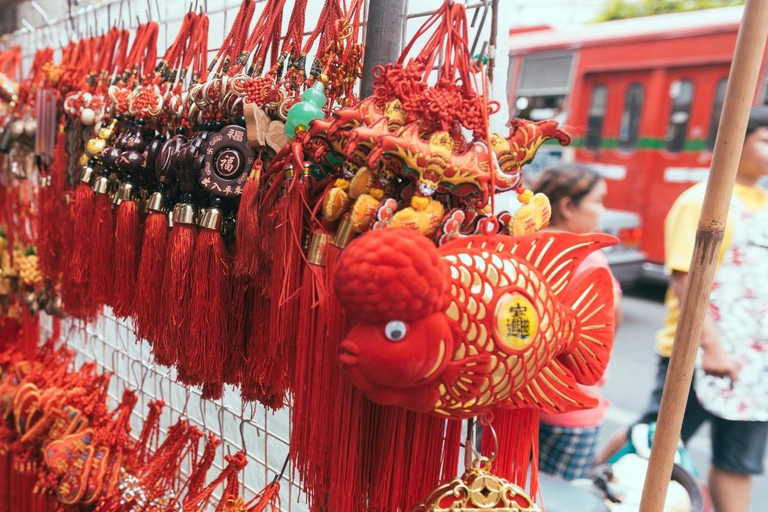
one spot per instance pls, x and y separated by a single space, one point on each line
478 490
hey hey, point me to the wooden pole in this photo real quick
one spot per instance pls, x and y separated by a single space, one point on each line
739 93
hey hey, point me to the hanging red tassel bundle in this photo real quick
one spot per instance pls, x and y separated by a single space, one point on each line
126 251
102 244
267 499
247 255
5 480
517 431
313 350
52 210
234 364
177 283
148 313
206 347
284 283
30 333
75 281
81 208
235 464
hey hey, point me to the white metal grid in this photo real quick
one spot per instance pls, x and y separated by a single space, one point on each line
263 435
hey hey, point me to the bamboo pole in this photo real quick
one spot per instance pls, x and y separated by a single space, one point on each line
739 93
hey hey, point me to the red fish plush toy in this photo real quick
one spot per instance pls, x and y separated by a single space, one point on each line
481 322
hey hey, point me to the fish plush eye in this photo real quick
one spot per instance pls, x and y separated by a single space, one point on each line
395 330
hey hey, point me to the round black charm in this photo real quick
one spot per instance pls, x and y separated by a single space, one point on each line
228 160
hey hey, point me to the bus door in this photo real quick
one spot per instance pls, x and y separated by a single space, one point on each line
690 110
616 136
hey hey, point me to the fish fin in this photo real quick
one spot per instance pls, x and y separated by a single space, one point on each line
463 378
556 255
554 390
590 296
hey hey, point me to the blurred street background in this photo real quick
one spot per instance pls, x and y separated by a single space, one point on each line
632 371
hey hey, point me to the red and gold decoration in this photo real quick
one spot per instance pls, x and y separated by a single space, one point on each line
259 224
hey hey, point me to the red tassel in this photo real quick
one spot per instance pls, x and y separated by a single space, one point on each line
102 247
234 365
176 290
517 431
315 352
268 498
30 332
127 241
212 391
82 223
247 255
75 276
206 347
52 210
5 482
285 281
148 314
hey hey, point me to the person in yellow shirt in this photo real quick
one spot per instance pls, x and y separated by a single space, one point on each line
730 388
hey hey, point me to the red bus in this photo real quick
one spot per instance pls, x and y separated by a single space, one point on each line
642 98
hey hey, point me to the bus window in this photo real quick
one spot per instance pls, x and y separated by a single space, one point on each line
718 106
596 116
681 93
543 83
630 117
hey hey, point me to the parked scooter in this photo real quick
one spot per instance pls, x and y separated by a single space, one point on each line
617 486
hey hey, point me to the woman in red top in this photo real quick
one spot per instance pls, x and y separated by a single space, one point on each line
567 442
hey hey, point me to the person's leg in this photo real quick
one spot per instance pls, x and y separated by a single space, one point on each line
731 492
738 448
614 444
694 415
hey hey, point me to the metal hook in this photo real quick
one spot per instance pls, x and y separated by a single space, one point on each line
282 470
42 12
186 402
145 372
202 413
242 437
486 8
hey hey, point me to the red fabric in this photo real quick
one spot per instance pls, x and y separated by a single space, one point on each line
395 268
431 353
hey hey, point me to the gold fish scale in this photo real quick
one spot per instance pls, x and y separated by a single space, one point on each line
474 278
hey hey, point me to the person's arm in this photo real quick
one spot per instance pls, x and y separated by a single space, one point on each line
618 312
716 361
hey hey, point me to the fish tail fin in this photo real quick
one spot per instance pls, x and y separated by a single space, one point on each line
590 297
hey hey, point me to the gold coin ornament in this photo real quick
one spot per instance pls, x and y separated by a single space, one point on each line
478 489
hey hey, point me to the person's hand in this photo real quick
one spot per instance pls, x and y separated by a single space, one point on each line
719 363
